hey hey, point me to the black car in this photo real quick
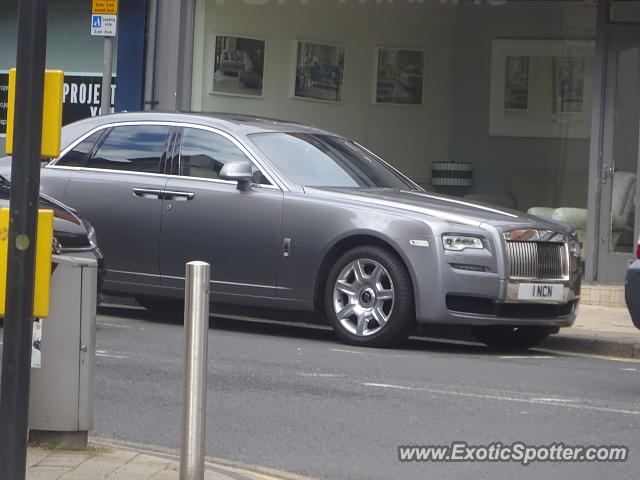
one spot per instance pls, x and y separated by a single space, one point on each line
73 235
632 288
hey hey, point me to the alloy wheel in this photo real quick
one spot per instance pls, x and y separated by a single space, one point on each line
363 297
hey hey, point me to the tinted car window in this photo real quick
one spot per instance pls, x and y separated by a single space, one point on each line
78 155
315 160
133 148
204 153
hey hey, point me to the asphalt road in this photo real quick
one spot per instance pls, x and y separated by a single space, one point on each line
293 398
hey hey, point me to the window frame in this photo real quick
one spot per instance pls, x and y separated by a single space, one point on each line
173 149
106 128
177 153
101 136
107 133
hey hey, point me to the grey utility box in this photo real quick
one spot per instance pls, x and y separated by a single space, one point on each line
61 409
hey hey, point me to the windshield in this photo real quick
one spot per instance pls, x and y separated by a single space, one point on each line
313 160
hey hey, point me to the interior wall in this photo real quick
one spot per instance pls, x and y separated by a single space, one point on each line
410 137
536 171
451 125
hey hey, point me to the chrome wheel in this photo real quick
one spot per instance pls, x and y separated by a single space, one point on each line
363 297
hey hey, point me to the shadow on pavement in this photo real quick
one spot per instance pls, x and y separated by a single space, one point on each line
306 327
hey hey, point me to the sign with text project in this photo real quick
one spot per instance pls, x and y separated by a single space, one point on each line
81 95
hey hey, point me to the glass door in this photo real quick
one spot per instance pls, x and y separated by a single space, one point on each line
618 213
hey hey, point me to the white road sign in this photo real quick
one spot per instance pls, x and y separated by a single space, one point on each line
104 25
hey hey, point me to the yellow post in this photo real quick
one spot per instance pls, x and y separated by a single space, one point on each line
4 248
51 114
42 283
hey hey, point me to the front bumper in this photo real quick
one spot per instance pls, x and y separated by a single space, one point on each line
632 292
483 302
482 298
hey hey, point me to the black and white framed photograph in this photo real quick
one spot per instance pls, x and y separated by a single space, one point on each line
516 83
541 88
238 67
568 79
399 76
319 71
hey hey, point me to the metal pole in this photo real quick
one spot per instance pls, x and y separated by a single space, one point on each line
196 329
150 66
105 98
25 184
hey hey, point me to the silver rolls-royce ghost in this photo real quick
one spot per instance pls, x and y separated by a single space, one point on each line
294 217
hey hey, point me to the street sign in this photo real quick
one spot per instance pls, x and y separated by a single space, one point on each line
104 25
104 7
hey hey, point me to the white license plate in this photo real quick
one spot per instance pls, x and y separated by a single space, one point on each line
541 292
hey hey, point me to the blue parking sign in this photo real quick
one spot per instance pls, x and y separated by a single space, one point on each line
104 25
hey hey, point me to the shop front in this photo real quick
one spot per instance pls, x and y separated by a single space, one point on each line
613 220
527 104
72 49
524 104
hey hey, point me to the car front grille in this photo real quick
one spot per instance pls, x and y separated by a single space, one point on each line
537 260
487 306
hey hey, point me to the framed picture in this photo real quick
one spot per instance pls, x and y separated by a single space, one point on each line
516 83
238 66
541 88
319 71
399 76
568 84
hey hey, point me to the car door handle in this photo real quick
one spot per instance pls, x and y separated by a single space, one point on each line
147 193
178 196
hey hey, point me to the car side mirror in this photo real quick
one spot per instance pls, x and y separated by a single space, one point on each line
240 172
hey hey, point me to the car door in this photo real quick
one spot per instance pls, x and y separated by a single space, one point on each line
118 189
209 219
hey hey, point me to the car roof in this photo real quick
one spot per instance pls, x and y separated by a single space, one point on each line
229 122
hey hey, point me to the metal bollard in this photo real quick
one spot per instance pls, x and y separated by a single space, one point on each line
196 328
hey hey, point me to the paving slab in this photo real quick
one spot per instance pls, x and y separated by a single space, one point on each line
598 330
114 460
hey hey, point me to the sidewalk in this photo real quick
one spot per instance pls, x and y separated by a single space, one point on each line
599 330
110 460
603 331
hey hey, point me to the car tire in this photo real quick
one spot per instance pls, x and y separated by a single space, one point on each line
368 298
506 337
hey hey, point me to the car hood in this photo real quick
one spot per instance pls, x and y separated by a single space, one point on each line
444 207
70 230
